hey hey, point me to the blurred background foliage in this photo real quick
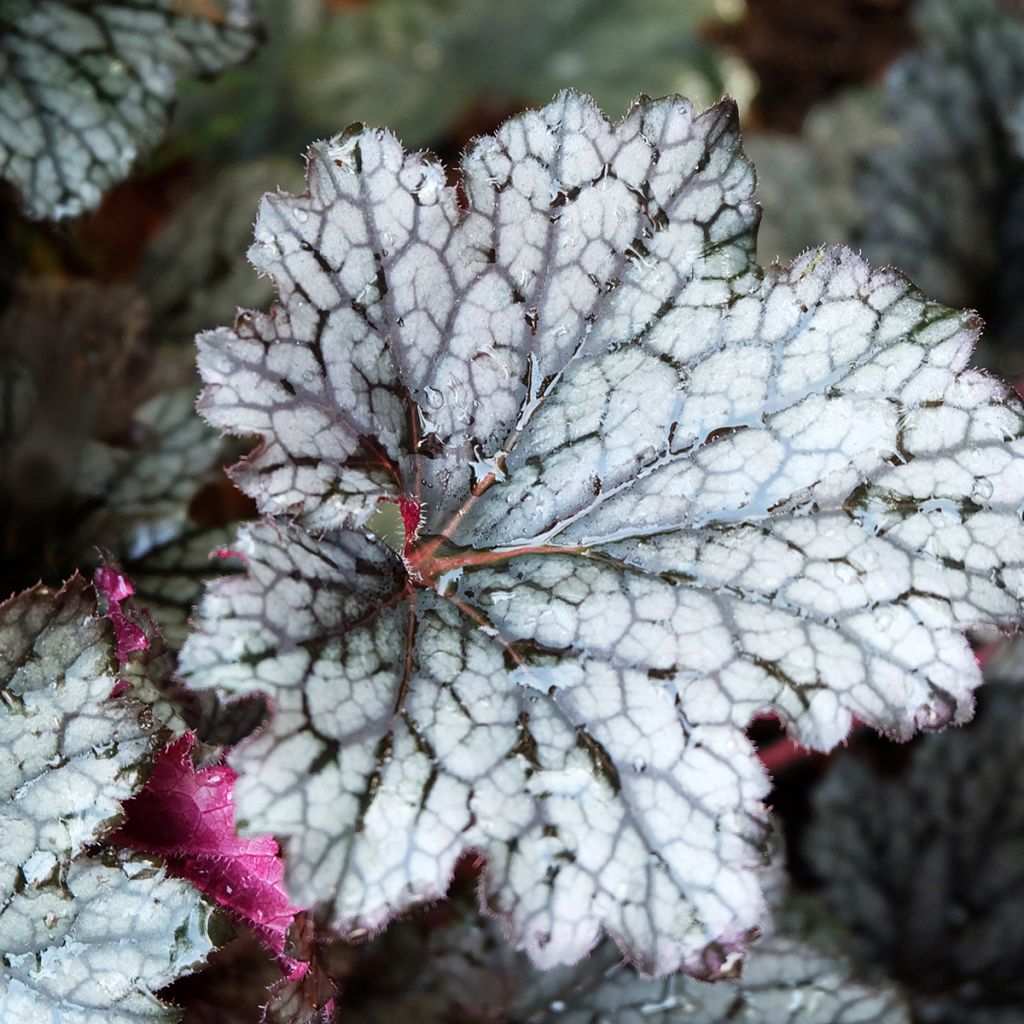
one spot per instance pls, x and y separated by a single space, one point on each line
896 126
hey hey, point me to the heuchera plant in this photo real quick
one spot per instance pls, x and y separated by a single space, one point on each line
647 491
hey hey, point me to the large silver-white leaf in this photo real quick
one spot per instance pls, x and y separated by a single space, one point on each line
660 492
87 87
925 866
81 940
401 739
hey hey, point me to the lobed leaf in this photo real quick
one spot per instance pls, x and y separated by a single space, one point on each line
653 492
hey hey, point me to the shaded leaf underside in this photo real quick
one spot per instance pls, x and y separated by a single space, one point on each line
924 867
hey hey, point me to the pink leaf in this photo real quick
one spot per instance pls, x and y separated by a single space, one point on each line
116 587
187 817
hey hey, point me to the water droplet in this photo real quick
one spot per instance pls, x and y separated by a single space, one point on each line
557 1006
639 765
845 572
668 1003
982 489
434 397
867 557
301 216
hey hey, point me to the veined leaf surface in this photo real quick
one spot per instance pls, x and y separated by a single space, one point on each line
88 87
649 491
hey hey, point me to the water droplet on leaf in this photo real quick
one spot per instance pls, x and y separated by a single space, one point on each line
982 489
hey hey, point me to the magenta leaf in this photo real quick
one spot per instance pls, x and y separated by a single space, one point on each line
115 587
187 817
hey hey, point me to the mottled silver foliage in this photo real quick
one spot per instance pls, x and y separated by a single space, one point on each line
68 756
87 87
925 865
81 940
661 492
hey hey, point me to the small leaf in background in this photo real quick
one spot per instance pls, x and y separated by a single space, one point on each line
924 865
87 88
924 173
186 816
661 492
82 940
195 274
